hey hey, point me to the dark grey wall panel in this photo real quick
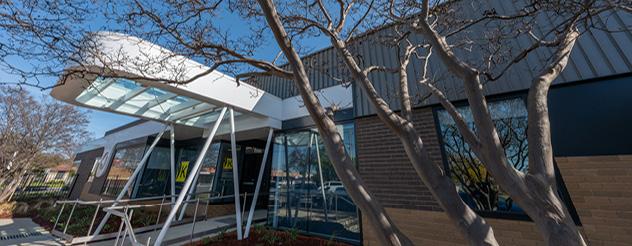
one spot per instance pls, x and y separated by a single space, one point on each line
592 118
83 173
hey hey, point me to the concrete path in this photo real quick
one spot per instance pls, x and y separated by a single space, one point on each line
23 231
181 234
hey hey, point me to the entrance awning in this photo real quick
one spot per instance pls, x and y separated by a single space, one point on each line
128 87
127 75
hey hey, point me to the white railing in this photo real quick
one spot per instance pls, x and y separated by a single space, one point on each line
125 209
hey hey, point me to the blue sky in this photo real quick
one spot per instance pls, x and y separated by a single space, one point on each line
100 122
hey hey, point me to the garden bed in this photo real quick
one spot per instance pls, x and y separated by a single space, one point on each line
83 215
260 236
22 209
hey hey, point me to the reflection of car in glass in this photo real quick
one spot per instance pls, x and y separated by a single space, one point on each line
329 185
302 194
339 191
339 199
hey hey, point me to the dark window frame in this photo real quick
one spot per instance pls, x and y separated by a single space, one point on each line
561 186
163 143
137 142
196 144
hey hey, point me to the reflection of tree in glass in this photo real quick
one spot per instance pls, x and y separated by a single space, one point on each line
297 160
475 184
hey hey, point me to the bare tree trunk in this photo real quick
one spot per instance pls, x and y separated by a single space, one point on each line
386 231
536 191
551 215
9 190
404 97
472 226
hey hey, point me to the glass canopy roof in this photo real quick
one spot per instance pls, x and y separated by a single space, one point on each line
129 97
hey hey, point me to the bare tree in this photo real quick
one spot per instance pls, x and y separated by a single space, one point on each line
184 29
187 29
30 130
534 189
471 225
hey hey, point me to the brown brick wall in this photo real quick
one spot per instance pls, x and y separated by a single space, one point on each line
434 228
385 167
601 190
599 186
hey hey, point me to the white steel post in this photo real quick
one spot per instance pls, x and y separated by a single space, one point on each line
189 181
258 186
320 172
184 206
173 163
233 147
139 167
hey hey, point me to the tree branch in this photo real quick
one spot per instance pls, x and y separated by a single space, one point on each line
469 136
539 129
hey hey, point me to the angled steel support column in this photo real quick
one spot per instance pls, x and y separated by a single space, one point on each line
189 181
173 163
258 186
139 167
320 172
184 206
233 148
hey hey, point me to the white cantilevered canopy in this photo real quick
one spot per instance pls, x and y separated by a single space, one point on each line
126 76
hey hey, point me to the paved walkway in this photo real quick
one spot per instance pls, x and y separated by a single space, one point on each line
23 231
181 234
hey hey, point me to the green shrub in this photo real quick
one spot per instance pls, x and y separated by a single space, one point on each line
293 234
271 238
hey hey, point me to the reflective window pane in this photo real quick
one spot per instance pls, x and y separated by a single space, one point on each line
123 165
475 185
224 184
154 180
305 192
208 171
129 97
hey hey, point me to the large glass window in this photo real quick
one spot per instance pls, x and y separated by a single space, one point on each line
224 184
124 163
155 180
474 184
208 171
206 178
305 192
216 173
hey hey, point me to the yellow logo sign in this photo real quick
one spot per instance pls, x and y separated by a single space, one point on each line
228 163
182 173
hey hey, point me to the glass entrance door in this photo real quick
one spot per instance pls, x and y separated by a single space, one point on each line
305 192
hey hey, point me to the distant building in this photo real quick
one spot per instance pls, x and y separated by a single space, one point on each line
60 172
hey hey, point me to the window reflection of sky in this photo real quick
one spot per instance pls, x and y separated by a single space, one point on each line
475 185
129 97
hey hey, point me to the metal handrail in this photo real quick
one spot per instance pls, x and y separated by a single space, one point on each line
245 194
115 210
126 220
81 202
108 208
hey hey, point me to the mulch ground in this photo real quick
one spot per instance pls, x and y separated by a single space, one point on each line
266 237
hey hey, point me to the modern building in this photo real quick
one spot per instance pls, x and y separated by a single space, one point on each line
590 109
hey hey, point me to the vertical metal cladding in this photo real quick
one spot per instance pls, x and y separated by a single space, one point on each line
596 54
